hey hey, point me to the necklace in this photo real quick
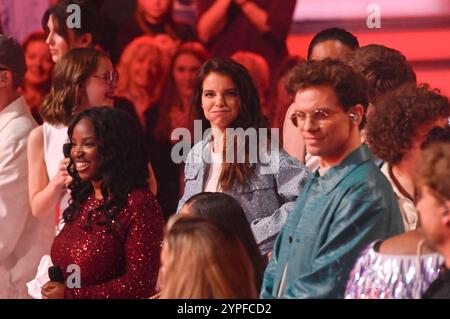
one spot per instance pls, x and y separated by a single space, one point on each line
400 187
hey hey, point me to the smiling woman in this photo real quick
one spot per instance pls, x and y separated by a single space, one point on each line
225 97
74 88
114 225
84 150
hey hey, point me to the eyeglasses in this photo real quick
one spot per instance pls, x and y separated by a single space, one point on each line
317 116
110 77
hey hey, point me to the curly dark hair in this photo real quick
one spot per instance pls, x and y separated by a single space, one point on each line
434 170
122 164
436 135
384 68
349 86
397 116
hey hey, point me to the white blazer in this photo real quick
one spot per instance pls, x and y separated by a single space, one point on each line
23 238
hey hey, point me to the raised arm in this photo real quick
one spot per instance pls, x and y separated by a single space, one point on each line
212 18
276 20
258 16
44 194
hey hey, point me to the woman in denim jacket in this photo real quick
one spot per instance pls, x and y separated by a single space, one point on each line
237 156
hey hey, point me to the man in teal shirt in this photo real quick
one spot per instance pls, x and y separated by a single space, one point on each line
347 204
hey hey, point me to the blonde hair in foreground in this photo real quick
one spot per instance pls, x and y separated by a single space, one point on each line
202 263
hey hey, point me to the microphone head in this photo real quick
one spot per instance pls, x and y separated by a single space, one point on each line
55 274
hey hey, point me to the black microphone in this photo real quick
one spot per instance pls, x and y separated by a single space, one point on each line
55 274
66 149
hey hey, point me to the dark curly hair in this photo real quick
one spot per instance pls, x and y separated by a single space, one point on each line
122 162
384 68
434 170
436 135
397 116
349 86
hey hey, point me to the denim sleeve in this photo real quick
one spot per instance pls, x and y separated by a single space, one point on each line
290 178
191 175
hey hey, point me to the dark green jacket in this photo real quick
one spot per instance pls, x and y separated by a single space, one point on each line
334 218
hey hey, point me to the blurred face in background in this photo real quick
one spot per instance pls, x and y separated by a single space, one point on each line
39 63
143 68
56 43
185 71
99 87
154 10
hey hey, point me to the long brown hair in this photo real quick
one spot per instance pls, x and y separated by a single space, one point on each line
170 95
202 263
249 116
69 76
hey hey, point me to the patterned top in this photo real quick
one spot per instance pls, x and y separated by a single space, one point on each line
117 261
380 276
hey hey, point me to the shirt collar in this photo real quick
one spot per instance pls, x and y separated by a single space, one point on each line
336 174
13 110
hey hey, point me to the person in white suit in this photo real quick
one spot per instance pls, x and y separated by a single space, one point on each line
23 238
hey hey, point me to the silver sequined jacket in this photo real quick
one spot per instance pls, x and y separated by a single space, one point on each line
268 197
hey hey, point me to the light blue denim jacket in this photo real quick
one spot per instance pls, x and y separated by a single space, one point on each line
266 200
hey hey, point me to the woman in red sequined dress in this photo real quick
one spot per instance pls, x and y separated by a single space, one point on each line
110 245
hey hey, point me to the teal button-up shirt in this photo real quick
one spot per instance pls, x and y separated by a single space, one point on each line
334 218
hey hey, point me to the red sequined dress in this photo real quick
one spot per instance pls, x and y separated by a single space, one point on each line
117 261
